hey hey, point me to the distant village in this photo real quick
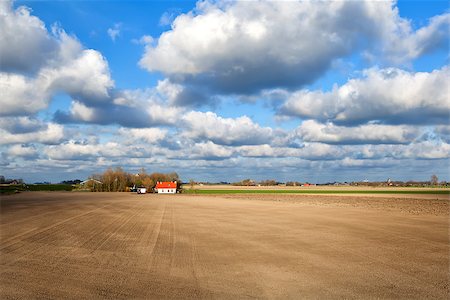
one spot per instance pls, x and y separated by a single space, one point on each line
433 182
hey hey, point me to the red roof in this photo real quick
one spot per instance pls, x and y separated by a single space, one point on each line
166 185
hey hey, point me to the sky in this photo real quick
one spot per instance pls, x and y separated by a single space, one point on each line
316 91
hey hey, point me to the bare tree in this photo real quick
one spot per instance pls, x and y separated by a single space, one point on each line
191 183
268 182
118 180
434 180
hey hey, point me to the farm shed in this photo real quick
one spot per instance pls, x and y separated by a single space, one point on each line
166 187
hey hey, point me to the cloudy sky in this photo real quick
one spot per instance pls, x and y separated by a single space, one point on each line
222 91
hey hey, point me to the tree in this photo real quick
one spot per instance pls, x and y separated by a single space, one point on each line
268 182
191 183
293 183
148 183
117 180
173 177
434 180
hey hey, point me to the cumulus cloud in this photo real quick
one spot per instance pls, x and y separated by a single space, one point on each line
309 151
426 150
243 47
24 151
104 115
263 151
390 96
203 151
73 150
25 43
18 125
21 95
312 131
127 108
143 135
66 67
50 134
86 78
224 131
421 150
349 162
412 44
22 137
321 151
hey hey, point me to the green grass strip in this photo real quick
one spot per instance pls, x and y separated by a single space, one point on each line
35 187
50 187
211 192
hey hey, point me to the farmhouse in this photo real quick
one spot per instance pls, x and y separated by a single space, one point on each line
90 183
166 187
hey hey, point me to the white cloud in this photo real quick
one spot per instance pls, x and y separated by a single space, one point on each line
309 151
86 78
16 125
426 150
420 150
163 114
329 133
210 150
21 95
51 134
143 135
114 31
225 131
321 151
176 94
203 151
129 108
73 150
349 162
144 40
259 151
388 95
169 90
64 67
29 152
268 151
24 40
243 47
82 112
409 44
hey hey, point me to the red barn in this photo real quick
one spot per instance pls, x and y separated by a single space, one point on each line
166 187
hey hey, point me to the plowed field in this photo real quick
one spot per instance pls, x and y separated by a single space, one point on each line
118 245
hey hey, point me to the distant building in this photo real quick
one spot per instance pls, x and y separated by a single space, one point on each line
166 187
90 180
141 190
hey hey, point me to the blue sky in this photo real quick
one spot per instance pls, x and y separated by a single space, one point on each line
222 91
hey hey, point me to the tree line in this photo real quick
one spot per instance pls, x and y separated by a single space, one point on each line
251 182
117 180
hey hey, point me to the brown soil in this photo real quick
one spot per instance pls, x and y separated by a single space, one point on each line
118 245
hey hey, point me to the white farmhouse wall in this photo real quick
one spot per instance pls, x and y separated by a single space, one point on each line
167 191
